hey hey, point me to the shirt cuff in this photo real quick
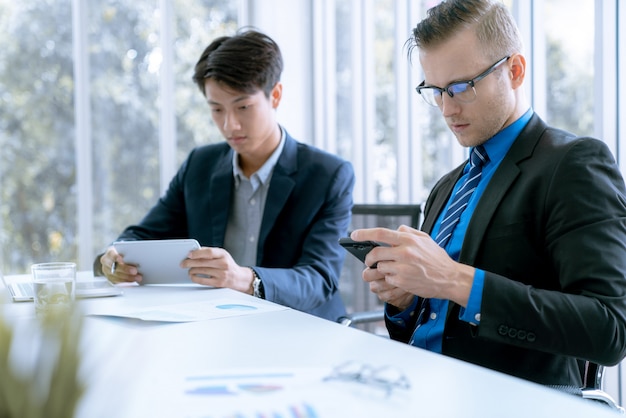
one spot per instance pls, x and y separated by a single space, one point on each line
401 318
471 313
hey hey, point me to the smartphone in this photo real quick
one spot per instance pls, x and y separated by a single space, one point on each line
359 249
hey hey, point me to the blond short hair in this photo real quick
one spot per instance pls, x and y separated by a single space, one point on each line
492 21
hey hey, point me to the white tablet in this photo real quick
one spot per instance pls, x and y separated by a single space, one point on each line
158 261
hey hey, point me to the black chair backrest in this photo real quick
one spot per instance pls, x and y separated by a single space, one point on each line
385 215
592 376
355 293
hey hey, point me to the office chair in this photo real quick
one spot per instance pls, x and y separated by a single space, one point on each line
365 310
593 389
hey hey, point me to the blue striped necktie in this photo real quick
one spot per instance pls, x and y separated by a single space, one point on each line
478 158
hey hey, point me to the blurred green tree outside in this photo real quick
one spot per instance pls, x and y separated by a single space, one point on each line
38 201
38 173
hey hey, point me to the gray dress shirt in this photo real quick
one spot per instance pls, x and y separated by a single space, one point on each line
244 221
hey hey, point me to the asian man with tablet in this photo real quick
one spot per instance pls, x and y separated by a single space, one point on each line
266 210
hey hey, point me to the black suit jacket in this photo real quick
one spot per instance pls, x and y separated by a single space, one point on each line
308 208
550 232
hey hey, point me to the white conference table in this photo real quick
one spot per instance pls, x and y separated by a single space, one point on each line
271 361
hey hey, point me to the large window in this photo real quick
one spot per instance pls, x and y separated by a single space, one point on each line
38 171
134 103
390 135
137 61
98 108
569 58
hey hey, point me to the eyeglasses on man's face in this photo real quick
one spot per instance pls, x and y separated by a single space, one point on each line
461 91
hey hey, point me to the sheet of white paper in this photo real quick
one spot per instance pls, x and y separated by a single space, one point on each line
270 392
194 311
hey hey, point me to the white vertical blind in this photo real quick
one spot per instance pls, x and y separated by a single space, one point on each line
403 90
605 79
523 13
618 383
324 75
358 98
82 115
536 50
367 111
620 86
167 128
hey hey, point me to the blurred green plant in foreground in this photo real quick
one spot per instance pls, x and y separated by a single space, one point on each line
39 370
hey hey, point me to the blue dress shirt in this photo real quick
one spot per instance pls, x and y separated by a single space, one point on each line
429 330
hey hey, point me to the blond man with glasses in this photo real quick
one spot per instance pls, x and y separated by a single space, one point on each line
520 265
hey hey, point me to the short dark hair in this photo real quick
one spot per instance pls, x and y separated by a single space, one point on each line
493 23
246 62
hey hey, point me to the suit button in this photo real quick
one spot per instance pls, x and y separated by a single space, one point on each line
521 335
531 337
512 332
503 330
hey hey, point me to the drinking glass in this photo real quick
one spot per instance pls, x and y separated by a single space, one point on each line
55 286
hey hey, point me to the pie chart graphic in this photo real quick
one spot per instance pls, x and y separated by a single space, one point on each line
236 307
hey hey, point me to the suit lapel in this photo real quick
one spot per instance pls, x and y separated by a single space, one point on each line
501 181
221 185
281 185
489 202
438 200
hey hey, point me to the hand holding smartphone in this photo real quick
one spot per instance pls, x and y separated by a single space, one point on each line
359 249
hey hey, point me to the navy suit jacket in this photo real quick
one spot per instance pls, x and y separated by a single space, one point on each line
308 209
550 232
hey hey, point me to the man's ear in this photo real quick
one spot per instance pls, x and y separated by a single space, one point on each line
517 68
276 94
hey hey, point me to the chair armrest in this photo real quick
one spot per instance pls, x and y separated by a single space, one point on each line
602 396
361 318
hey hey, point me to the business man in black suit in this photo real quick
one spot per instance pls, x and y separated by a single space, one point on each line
267 210
521 262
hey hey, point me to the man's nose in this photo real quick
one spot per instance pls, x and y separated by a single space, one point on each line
231 122
449 106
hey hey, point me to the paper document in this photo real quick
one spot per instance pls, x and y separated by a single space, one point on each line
194 311
304 392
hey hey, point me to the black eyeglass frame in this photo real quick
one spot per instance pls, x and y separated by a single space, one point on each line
471 83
